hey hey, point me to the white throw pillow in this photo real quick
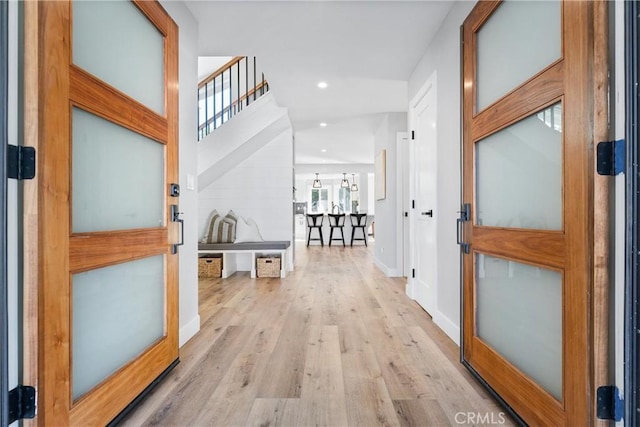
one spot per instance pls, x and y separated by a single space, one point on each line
247 231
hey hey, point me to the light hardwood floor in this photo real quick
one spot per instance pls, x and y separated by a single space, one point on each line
336 343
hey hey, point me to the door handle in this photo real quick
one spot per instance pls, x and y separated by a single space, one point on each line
175 217
459 225
428 213
464 217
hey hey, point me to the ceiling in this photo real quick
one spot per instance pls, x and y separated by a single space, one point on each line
364 50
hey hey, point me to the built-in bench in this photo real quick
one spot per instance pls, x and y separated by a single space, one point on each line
254 248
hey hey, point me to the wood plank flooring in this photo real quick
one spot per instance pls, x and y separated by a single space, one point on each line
336 343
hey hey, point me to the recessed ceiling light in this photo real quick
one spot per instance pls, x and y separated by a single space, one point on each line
322 85
323 125
324 150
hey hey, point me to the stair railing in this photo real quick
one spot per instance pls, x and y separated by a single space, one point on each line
227 91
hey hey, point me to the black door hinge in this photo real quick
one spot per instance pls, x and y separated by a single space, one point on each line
611 157
22 403
609 404
413 134
21 162
413 273
413 204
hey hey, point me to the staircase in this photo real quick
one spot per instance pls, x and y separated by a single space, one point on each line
227 91
245 155
240 138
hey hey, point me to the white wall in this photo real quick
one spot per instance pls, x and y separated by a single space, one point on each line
250 130
386 211
188 72
259 187
443 56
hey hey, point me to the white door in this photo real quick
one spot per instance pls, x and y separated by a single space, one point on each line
425 259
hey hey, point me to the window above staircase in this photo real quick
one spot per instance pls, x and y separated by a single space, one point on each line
227 91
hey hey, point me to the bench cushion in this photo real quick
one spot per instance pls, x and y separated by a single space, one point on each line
249 246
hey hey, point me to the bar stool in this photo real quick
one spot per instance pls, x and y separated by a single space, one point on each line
315 221
336 221
358 221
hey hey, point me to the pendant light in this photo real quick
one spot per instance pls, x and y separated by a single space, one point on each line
316 182
345 181
354 186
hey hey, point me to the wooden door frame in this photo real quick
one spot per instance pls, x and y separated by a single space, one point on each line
602 209
48 91
586 90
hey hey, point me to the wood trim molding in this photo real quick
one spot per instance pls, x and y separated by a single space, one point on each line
109 248
31 235
91 410
545 249
155 14
49 73
543 90
172 109
234 104
468 92
538 406
221 70
602 208
578 211
97 97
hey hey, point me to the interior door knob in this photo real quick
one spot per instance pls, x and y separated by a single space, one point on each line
428 213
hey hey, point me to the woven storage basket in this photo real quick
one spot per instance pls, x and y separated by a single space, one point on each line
268 267
209 267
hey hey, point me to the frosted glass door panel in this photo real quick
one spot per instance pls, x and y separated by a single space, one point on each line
115 42
118 312
520 40
519 174
117 177
519 314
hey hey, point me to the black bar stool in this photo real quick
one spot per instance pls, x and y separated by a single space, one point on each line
336 221
315 221
358 221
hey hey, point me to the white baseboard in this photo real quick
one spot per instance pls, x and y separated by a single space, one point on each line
389 272
188 331
409 290
394 272
380 265
448 326
443 322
